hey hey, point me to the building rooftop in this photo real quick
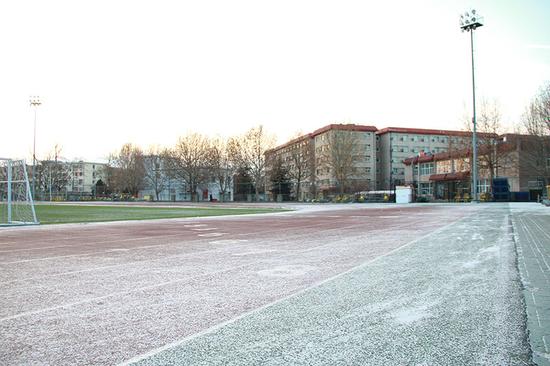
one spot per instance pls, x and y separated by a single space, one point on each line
425 131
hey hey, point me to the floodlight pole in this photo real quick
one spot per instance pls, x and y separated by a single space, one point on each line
34 102
474 122
469 22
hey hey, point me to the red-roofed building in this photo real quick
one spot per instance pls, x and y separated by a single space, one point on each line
523 160
396 144
322 178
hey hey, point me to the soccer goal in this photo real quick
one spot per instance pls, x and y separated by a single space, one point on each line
16 204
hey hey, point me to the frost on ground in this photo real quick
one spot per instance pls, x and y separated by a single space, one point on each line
452 298
106 293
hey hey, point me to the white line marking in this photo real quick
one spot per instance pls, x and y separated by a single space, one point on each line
34 312
229 241
36 248
211 235
205 229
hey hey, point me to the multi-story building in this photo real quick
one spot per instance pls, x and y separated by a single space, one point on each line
84 176
523 160
377 154
298 156
345 158
395 144
328 158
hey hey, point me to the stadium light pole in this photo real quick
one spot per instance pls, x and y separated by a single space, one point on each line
35 102
469 21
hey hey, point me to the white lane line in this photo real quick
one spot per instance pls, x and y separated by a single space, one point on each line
103 251
254 311
211 235
36 248
205 229
228 241
176 256
139 289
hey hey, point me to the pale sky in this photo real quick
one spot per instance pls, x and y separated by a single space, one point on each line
146 72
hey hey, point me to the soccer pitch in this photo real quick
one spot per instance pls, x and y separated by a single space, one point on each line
63 214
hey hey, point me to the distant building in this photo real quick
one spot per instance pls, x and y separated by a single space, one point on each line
378 155
364 164
84 176
523 160
310 153
173 189
396 144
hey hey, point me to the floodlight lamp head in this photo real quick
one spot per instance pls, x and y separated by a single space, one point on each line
471 20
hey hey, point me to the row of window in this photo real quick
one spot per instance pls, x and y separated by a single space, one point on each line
428 138
483 186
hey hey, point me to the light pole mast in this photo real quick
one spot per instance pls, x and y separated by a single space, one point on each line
469 21
34 102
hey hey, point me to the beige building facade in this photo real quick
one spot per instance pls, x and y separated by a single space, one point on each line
84 176
396 144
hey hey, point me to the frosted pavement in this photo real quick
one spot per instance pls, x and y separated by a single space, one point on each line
452 298
351 284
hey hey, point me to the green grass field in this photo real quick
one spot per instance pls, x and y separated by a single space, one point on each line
62 214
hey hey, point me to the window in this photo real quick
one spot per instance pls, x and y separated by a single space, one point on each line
444 166
426 168
367 170
483 185
426 188
547 163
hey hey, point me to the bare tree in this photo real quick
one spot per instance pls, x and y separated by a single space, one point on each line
301 167
252 148
340 155
189 160
126 170
53 173
223 163
492 154
156 177
536 122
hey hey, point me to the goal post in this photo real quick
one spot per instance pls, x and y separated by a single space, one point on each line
16 202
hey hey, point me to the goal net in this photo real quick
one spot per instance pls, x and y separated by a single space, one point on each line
16 204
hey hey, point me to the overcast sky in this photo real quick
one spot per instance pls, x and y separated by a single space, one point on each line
111 72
